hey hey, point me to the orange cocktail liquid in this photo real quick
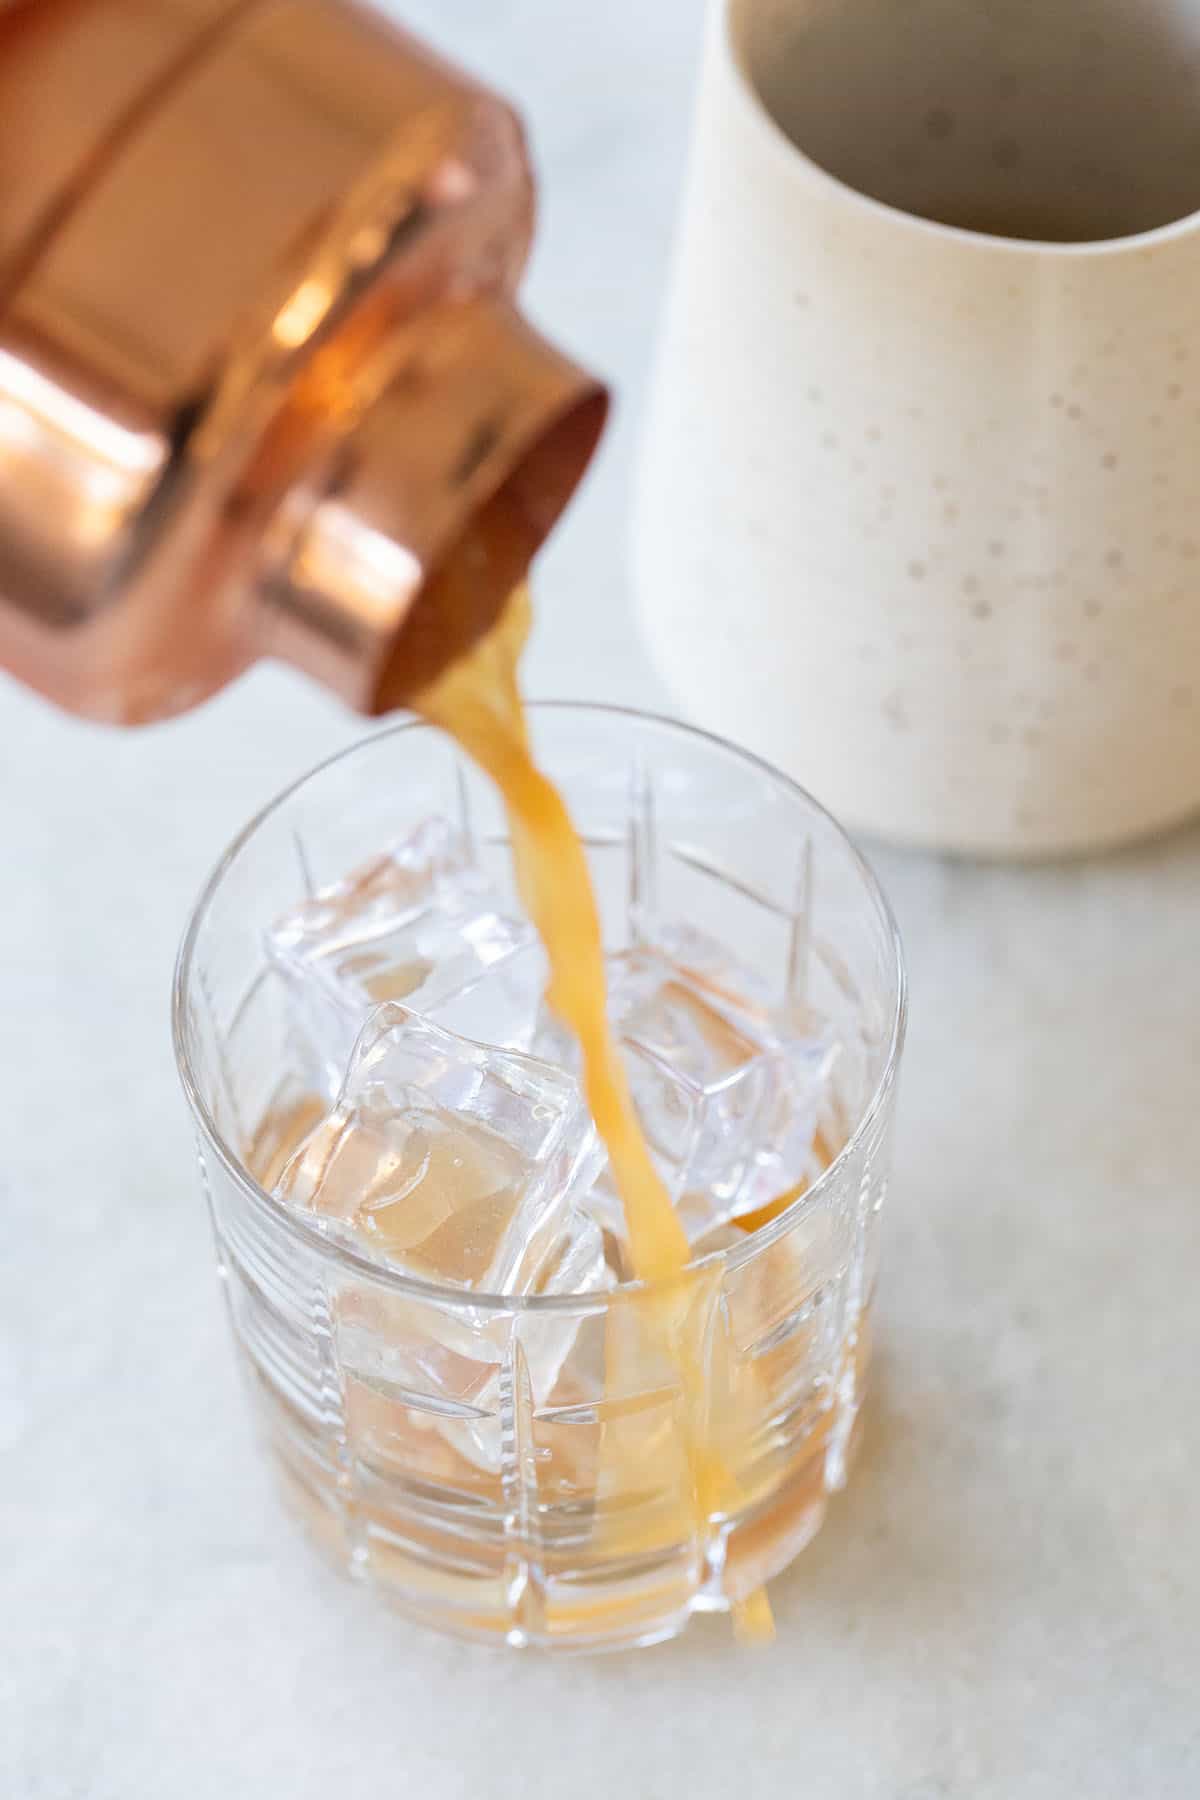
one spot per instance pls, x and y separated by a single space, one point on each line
478 702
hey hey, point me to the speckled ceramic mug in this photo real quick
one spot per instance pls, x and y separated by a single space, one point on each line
919 516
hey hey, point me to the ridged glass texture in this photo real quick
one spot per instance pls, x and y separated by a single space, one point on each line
514 1470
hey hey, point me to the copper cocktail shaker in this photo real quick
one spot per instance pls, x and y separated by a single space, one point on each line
261 376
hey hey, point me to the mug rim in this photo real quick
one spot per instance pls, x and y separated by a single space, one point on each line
795 157
293 1223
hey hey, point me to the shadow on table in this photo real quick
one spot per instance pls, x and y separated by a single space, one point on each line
875 1549
879 1562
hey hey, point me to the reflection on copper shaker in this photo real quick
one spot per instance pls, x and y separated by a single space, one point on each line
261 373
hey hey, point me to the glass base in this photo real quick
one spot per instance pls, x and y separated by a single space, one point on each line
452 1586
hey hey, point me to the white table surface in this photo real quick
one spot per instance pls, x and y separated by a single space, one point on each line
1007 1602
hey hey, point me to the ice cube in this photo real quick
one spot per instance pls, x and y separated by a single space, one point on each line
460 1164
728 1091
419 925
423 1377
452 1160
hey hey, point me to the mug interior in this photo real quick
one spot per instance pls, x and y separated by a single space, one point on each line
1052 120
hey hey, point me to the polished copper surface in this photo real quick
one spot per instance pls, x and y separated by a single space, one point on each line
472 449
75 80
259 365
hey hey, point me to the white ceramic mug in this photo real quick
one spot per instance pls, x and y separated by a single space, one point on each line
919 516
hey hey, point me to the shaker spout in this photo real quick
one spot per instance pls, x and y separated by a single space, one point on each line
466 458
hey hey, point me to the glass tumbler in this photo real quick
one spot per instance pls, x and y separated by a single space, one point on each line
515 1469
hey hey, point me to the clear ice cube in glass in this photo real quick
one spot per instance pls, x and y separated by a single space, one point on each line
460 1164
418 924
728 1090
452 1160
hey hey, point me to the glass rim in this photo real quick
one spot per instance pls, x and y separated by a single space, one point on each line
346 1256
